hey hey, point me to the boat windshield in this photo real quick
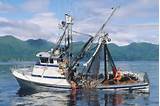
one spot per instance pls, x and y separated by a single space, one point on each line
43 60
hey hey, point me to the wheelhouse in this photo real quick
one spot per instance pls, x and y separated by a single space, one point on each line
46 59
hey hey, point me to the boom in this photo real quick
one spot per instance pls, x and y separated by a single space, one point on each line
90 41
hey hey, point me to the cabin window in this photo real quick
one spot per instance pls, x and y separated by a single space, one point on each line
51 61
44 60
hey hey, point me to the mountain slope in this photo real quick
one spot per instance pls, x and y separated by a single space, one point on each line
39 43
135 51
15 49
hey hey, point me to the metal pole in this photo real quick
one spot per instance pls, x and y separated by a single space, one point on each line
105 66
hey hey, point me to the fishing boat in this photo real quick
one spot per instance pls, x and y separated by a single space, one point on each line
112 78
58 69
47 73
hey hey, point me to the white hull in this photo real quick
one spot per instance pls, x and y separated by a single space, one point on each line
48 84
142 87
39 86
27 81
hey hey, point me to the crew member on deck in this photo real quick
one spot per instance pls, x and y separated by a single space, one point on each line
118 76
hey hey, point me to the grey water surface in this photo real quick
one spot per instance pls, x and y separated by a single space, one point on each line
12 95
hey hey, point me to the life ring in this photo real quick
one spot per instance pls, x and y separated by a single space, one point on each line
118 75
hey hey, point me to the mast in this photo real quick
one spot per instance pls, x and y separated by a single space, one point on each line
105 62
107 57
69 22
104 41
110 59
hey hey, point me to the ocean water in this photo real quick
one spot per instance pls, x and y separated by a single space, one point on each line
12 95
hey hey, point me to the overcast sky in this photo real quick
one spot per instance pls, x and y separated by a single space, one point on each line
135 20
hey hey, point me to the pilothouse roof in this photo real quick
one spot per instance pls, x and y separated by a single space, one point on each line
45 55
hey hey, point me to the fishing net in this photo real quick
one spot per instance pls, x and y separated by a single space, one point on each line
90 70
